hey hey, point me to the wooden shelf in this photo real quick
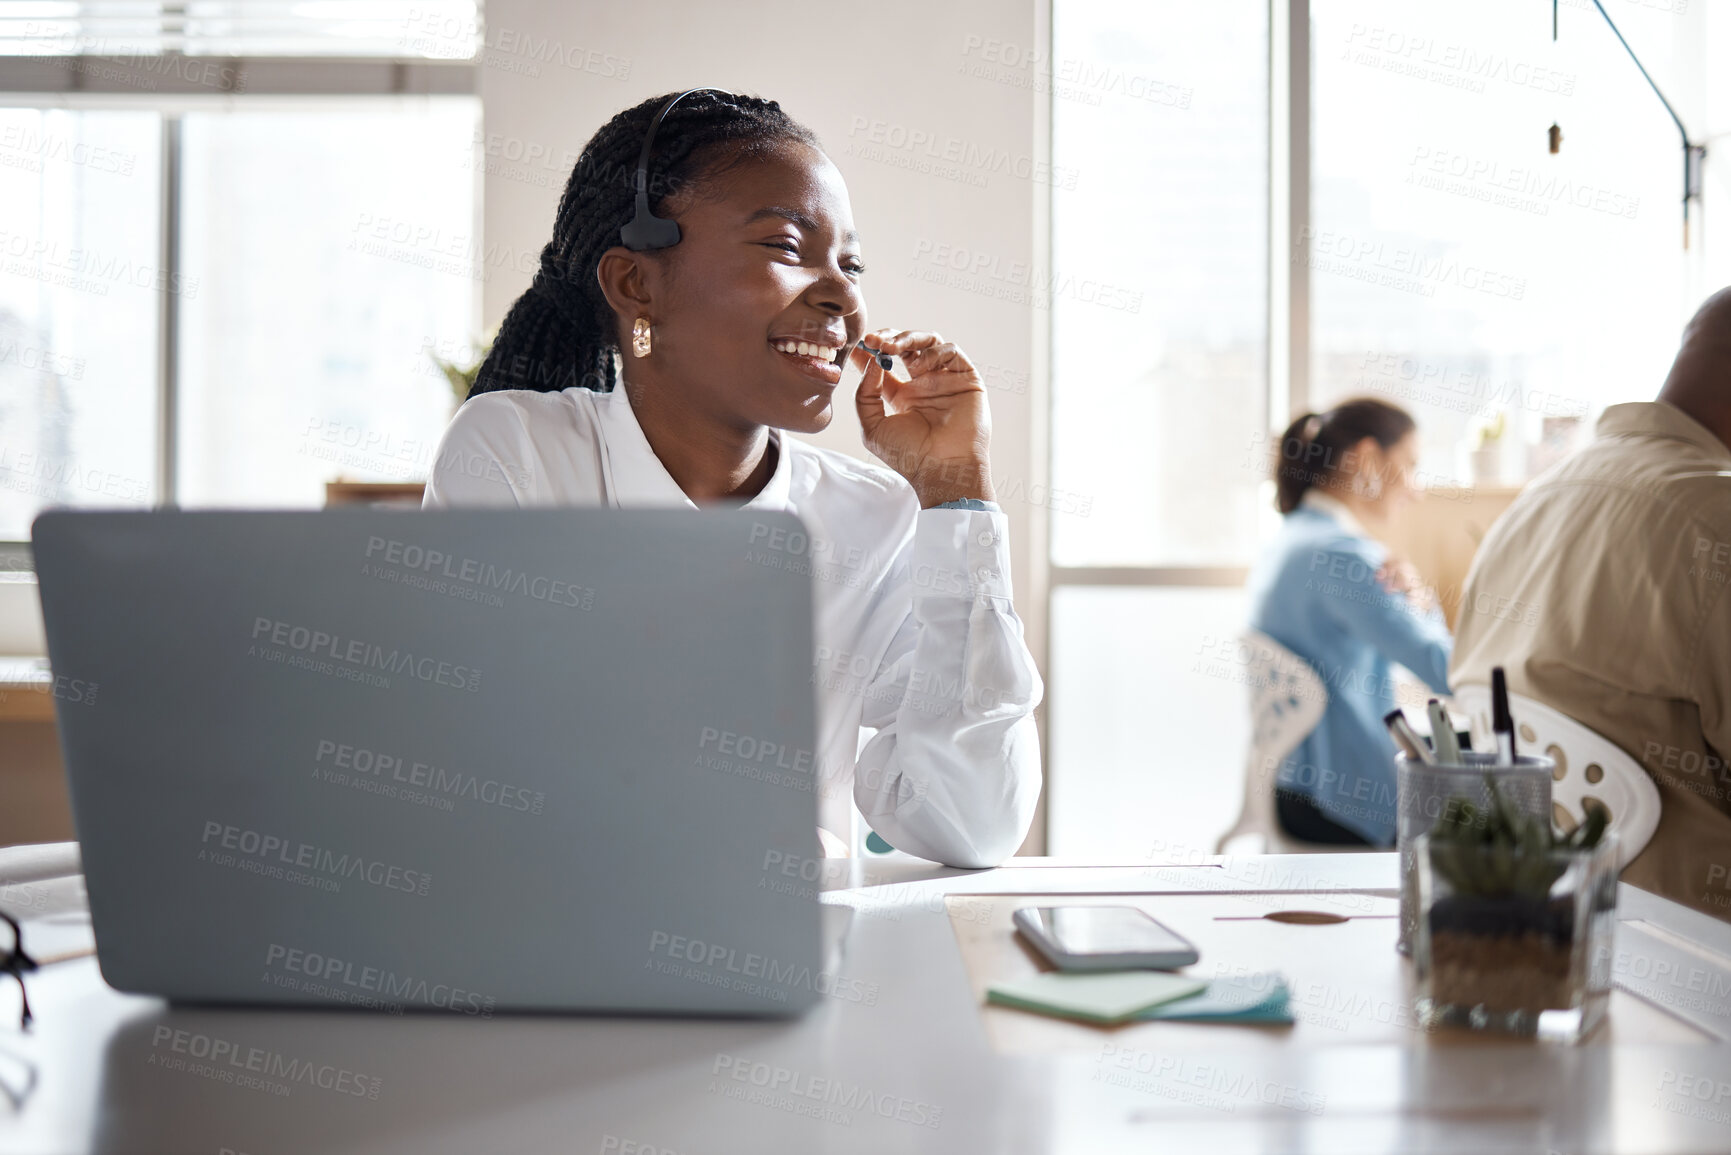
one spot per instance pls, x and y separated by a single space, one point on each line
388 493
25 704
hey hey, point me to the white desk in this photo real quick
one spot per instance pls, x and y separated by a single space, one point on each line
910 1064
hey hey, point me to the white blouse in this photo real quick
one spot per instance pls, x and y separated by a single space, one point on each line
926 690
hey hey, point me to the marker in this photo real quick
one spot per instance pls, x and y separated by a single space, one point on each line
1405 736
1442 735
1502 723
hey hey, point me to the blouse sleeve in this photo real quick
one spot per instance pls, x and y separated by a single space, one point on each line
1381 618
953 771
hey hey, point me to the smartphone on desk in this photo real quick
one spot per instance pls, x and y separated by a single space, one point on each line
1103 938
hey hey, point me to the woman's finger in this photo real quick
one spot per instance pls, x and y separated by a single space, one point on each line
936 358
874 377
900 341
921 351
868 398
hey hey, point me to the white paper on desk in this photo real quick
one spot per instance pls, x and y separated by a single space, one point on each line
834 924
59 937
54 915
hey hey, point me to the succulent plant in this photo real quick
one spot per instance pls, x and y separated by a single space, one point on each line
1501 851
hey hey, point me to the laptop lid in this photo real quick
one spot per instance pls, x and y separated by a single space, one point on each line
466 760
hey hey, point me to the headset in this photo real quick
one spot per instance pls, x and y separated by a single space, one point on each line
646 231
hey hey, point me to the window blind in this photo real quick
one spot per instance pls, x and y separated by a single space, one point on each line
394 29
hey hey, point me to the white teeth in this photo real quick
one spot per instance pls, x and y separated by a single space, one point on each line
806 349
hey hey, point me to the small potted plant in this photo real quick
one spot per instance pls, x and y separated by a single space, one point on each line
1485 459
461 376
1515 921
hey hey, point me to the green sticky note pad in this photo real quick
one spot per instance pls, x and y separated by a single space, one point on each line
1103 997
1261 998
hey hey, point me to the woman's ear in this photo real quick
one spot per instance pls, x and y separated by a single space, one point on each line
1366 457
624 280
1371 477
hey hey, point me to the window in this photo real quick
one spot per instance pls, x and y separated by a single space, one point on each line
322 253
328 255
1156 385
156 33
1148 726
79 266
1458 267
1159 388
1442 257
231 243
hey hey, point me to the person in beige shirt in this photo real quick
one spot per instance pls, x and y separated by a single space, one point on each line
1624 550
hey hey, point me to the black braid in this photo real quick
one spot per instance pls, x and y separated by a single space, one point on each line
561 332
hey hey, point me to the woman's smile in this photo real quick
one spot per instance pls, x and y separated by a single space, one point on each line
815 360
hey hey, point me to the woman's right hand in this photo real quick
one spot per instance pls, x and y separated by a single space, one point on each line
1398 576
933 428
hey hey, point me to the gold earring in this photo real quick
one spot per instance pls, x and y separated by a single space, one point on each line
640 339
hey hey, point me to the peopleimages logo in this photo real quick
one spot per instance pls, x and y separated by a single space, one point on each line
356 984
803 1091
52 146
345 764
87 270
433 562
361 655
721 965
226 1059
262 848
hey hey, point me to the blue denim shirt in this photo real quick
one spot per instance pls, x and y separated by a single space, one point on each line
1315 592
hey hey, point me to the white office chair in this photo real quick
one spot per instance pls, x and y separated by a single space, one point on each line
1588 766
1286 702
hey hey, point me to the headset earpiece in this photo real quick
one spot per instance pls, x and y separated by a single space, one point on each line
645 230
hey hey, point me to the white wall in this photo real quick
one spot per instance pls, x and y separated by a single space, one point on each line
840 71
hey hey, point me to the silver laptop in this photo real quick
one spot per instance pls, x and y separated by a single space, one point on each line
467 761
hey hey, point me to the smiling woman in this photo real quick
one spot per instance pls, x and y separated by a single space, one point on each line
666 343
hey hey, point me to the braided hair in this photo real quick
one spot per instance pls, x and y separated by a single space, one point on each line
561 332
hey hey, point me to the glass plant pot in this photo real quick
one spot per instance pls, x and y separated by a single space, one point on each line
1427 793
1529 961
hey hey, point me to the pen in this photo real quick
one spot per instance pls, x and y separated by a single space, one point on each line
1442 735
1501 722
1405 736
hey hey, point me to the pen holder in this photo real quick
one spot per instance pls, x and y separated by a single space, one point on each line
1424 791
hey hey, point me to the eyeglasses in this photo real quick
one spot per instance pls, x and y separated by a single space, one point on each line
14 962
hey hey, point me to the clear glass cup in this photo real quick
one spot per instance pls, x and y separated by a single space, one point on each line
1424 792
1533 960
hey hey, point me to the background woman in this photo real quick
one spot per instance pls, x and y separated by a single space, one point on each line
1327 590
665 376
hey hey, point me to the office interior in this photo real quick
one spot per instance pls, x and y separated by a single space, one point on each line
253 254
